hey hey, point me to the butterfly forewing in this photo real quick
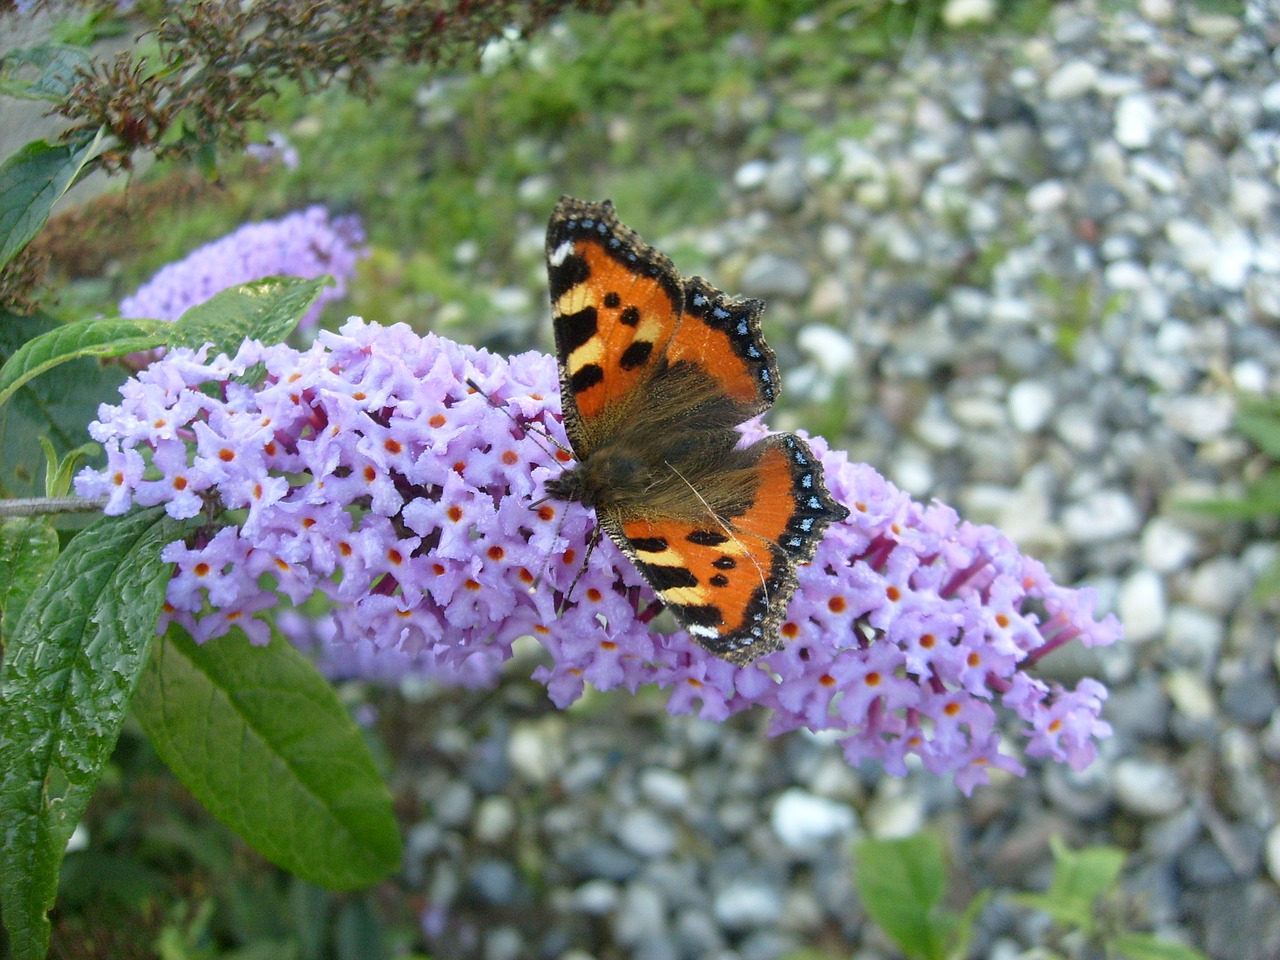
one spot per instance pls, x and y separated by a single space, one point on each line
615 302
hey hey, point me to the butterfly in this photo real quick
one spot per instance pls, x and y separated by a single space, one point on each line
656 372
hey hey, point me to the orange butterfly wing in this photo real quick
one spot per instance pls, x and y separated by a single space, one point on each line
656 371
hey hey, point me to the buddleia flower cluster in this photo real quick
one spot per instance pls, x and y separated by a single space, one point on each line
307 243
401 478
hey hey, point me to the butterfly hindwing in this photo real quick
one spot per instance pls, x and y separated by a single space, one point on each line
729 582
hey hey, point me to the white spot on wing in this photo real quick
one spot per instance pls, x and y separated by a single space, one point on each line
558 255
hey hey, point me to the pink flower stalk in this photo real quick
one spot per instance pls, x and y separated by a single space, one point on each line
366 469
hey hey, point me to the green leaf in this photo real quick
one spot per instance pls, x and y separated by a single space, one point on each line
901 883
55 64
31 181
112 337
28 547
265 310
261 739
58 483
70 669
1147 946
1079 879
56 405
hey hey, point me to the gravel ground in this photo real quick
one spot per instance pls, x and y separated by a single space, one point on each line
1047 270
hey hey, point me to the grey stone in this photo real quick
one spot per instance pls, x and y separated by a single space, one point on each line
771 275
1147 788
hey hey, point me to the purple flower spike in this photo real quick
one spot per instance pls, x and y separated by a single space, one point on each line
367 470
307 243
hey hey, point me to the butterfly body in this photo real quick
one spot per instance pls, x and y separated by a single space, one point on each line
657 371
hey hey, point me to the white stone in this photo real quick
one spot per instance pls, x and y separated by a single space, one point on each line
1232 260
895 811
1147 788
1190 695
1270 99
836 242
1101 516
1046 196
596 897
805 822
536 749
1142 606
1031 403
647 834
1199 417
1218 585
1193 637
1251 199
1158 11
1136 121
1073 79
746 905
664 788
968 13
1195 244
495 819
751 175
831 350
1167 546
1273 853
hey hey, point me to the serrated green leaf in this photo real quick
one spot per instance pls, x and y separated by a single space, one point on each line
261 739
71 666
55 66
31 181
901 883
113 337
1147 946
28 547
266 310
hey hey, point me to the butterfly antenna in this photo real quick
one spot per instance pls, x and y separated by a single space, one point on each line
729 532
531 427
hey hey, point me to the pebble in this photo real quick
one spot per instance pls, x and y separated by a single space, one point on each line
1147 788
1073 79
1101 516
1142 606
1031 404
747 904
646 833
806 823
1167 545
770 275
1136 121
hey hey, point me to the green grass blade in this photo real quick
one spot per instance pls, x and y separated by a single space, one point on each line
261 739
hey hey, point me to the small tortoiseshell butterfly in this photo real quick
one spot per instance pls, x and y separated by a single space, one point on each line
656 372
